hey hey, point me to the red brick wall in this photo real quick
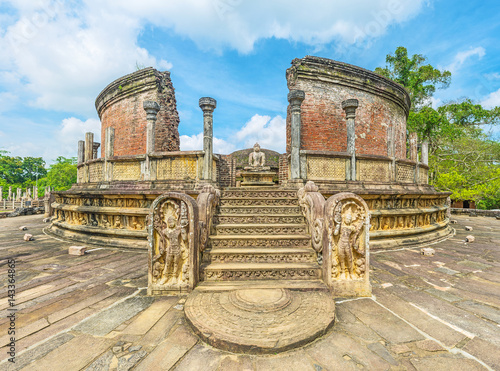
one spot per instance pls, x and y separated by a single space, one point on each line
380 122
128 118
324 125
120 106
283 170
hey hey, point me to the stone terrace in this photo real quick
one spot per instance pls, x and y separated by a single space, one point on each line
91 312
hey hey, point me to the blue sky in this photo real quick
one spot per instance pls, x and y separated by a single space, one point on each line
56 56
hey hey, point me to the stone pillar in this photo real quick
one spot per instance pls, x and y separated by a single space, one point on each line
295 98
425 152
10 193
413 139
95 147
1 193
109 143
19 194
151 109
28 193
81 151
349 106
89 146
208 105
35 192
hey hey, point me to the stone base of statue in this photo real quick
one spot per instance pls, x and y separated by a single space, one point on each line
259 177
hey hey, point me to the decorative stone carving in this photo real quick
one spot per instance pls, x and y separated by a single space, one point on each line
173 244
312 204
207 202
346 248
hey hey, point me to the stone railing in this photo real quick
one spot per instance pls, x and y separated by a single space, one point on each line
326 166
186 166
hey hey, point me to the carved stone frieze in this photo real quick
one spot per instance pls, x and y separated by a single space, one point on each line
261 230
259 242
259 202
285 273
305 257
173 244
228 210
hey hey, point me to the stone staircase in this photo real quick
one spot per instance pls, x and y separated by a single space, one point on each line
260 235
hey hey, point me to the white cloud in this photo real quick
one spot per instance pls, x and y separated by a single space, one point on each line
61 57
492 100
492 76
239 24
269 133
71 131
195 143
461 57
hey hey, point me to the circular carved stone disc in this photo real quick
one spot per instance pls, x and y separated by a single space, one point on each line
260 320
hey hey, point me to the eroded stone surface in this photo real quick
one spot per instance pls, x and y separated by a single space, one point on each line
259 320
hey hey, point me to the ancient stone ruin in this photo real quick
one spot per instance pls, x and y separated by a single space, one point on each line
256 235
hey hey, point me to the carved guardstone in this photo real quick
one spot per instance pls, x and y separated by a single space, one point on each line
257 174
346 245
173 244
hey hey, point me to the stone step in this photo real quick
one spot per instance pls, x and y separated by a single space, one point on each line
258 193
254 241
260 210
259 219
260 271
260 229
274 201
298 285
260 255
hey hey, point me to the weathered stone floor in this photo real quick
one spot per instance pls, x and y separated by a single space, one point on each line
91 312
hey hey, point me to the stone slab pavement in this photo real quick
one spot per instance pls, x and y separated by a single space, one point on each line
91 312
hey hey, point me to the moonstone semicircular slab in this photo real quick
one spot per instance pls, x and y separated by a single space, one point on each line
260 321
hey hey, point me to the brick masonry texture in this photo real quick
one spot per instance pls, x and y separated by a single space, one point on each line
383 108
120 105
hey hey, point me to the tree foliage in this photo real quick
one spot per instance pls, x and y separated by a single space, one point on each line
26 172
63 174
419 80
463 159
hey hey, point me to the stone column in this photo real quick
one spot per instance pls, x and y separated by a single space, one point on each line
295 98
19 194
413 139
208 105
425 152
109 143
95 147
89 146
1 193
10 193
151 109
35 192
81 151
109 151
350 106
28 193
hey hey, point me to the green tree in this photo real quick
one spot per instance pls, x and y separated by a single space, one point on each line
419 80
62 174
11 168
33 168
462 158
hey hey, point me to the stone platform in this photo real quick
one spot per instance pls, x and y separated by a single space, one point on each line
260 320
91 312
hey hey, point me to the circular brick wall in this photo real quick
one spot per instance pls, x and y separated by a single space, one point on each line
380 118
120 106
